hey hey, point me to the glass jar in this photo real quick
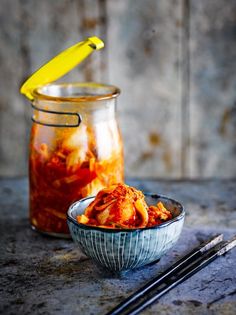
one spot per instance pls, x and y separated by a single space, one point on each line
75 150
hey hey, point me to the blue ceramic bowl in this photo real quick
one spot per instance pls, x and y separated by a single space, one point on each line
123 249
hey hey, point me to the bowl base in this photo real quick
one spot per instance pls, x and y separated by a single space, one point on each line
154 262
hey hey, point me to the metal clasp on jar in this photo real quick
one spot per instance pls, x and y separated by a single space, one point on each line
50 112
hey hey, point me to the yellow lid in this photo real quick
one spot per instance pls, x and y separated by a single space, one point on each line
61 64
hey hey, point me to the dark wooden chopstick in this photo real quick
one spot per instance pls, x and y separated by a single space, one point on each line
207 258
186 260
183 274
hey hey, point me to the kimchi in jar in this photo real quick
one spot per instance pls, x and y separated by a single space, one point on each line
75 150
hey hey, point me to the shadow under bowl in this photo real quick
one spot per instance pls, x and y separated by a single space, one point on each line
124 249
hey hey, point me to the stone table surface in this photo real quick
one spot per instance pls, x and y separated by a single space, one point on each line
43 275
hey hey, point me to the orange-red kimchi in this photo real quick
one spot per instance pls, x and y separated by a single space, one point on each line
122 206
67 165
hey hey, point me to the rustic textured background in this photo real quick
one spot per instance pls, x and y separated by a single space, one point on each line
174 61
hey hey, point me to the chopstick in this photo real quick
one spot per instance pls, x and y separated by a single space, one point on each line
207 258
189 264
186 260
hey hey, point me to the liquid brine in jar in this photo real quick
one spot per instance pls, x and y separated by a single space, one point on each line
75 150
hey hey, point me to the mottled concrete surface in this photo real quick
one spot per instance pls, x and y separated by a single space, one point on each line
42 275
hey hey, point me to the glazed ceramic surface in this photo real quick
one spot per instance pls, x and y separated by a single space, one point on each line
123 249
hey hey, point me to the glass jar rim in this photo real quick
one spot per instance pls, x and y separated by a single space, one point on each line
109 92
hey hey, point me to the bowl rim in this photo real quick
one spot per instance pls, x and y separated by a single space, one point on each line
115 230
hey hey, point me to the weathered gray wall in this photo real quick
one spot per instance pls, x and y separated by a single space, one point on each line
174 61
212 105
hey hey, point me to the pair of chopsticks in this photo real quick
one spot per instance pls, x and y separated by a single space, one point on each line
177 273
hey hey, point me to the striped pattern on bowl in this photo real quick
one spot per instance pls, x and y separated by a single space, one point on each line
117 249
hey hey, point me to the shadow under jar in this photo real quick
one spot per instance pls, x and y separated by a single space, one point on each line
75 150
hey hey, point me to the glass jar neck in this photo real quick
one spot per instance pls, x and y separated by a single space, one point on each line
66 105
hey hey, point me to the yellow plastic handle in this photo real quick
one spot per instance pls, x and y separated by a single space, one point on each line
61 64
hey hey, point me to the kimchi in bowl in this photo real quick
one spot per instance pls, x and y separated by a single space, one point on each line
126 248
